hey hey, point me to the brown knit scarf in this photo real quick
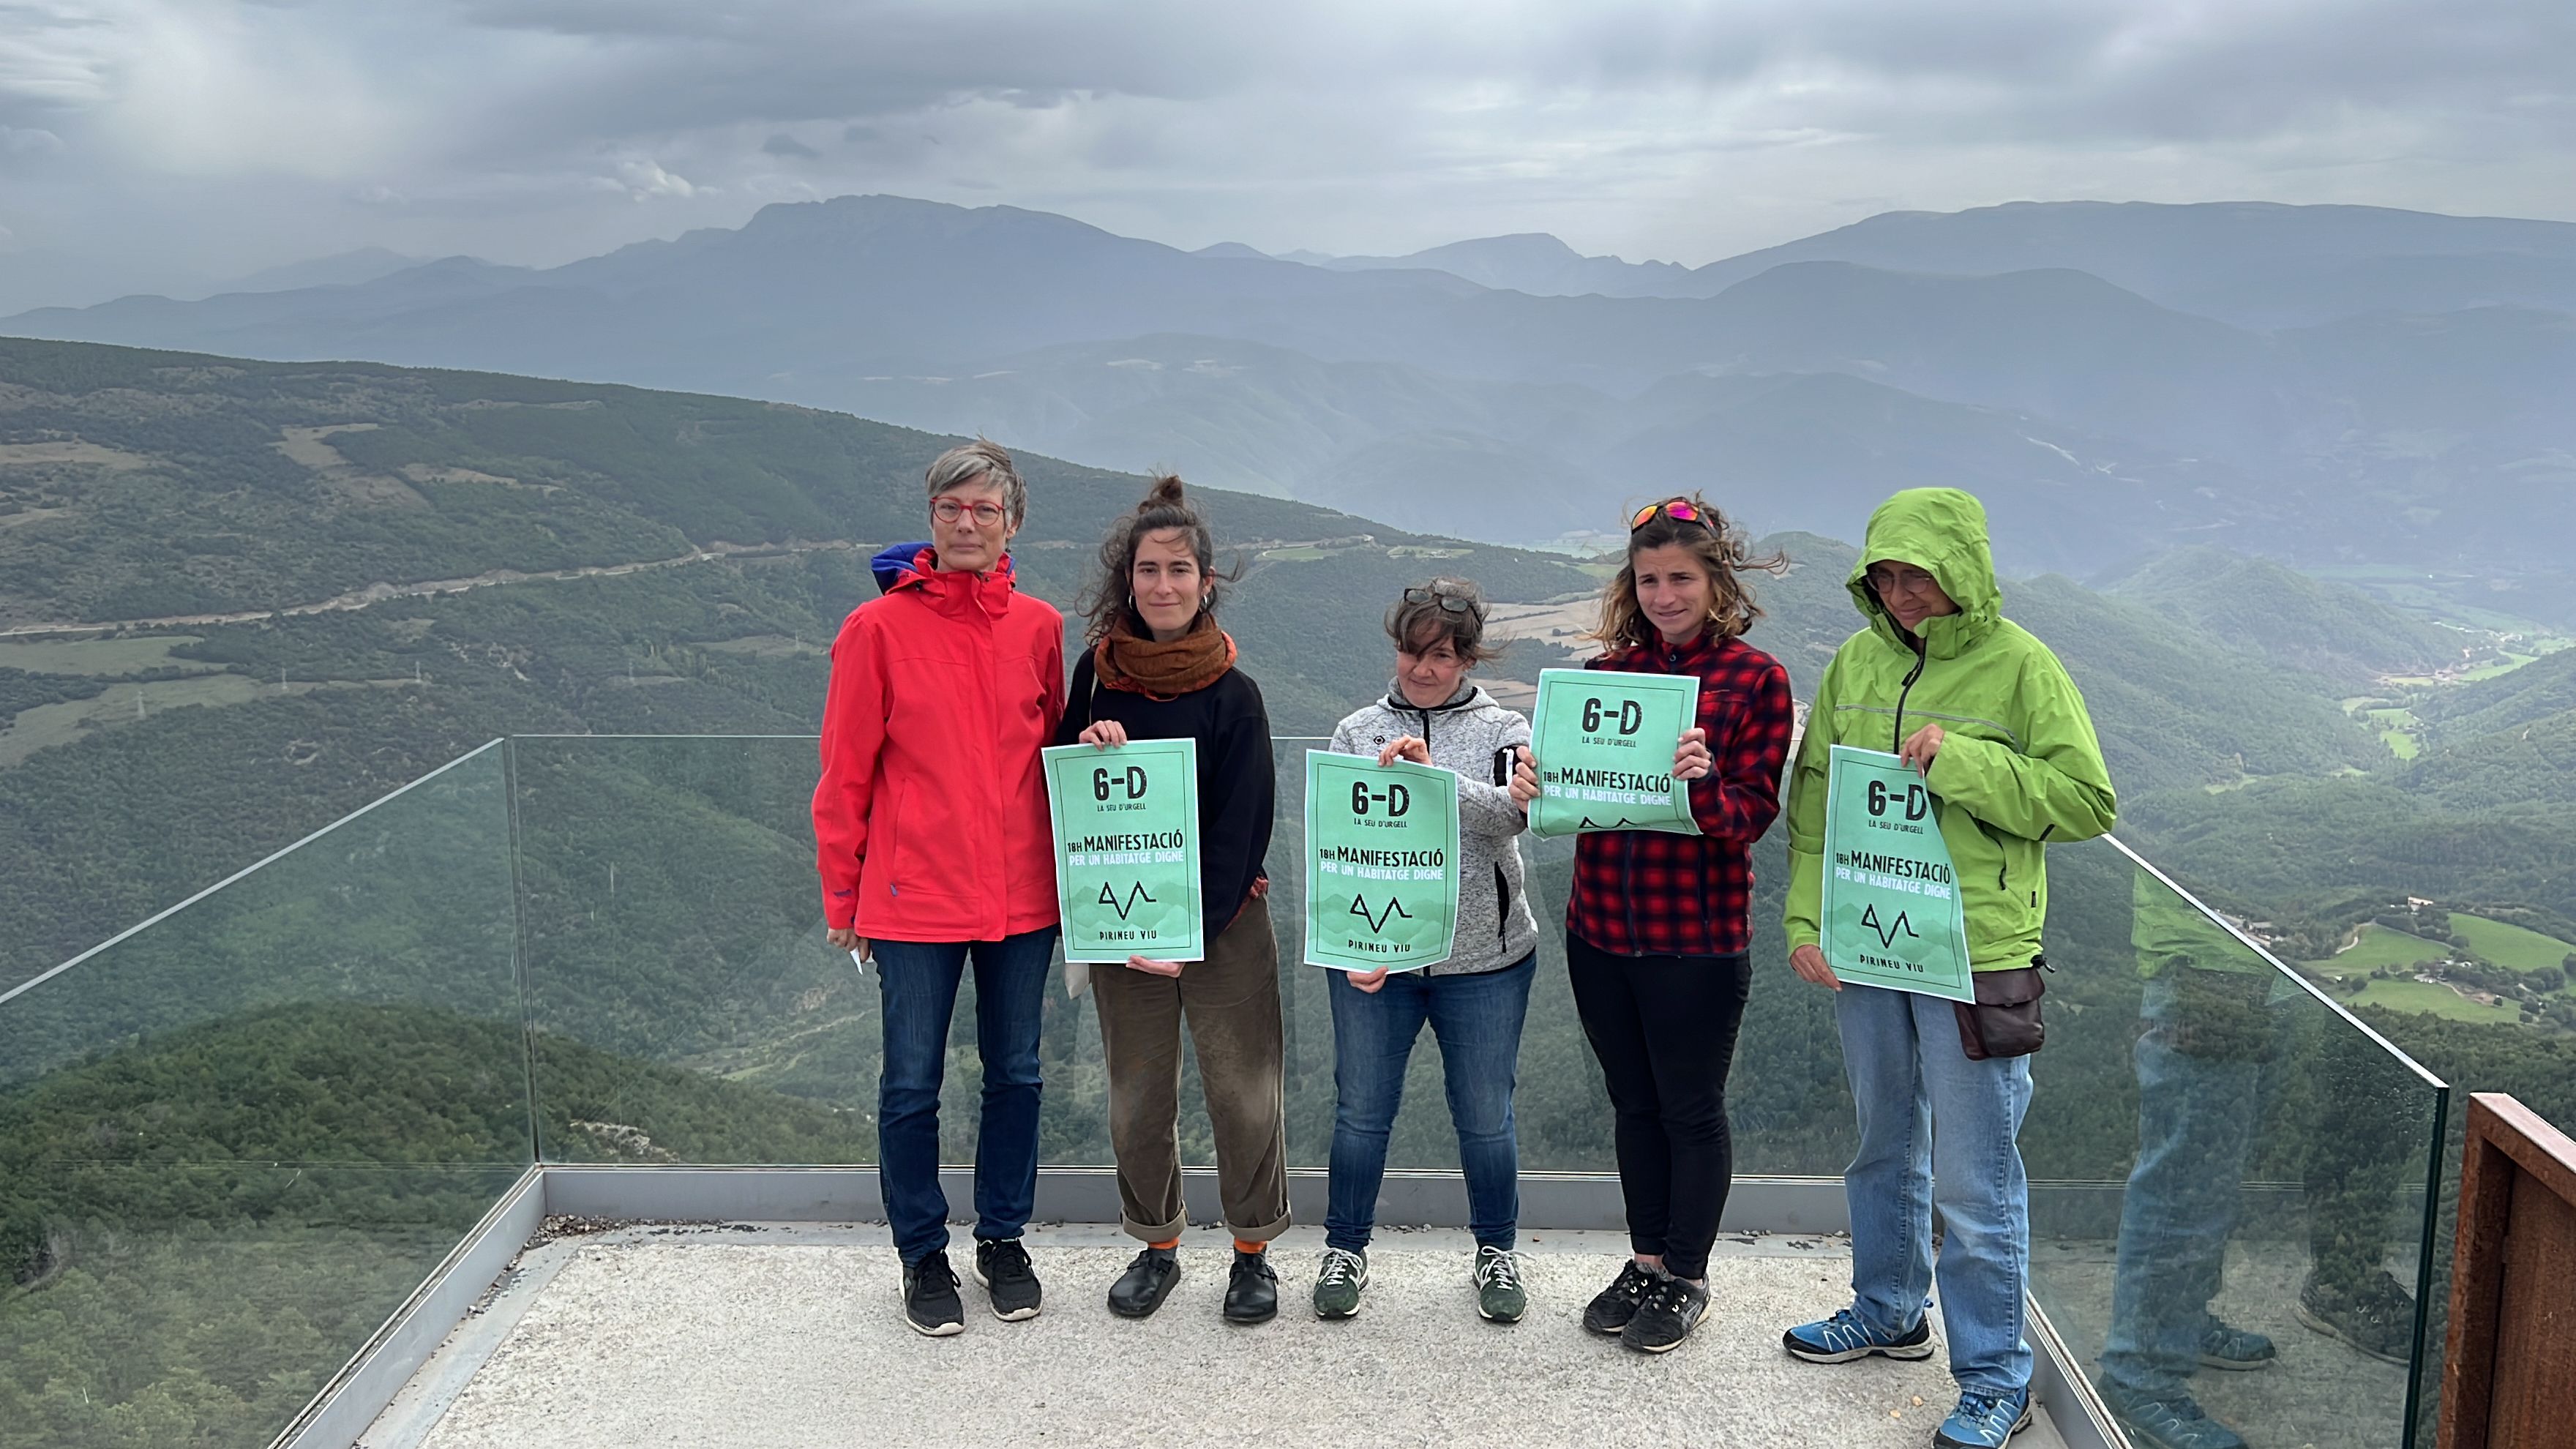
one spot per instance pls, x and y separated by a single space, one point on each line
1139 664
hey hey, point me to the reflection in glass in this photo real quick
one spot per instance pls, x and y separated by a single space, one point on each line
233 1142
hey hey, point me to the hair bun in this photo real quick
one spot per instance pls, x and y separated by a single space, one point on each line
1165 493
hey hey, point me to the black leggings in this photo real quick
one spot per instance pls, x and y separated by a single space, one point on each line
1664 1030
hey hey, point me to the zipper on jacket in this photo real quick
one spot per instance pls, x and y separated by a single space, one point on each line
1907 688
1502 904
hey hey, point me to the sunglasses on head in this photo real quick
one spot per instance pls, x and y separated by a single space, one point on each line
1680 510
1452 603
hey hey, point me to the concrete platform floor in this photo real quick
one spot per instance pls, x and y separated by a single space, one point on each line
791 1335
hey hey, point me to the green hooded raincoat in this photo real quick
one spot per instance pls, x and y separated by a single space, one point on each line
2019 765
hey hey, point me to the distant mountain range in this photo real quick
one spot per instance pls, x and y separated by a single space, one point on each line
2315 383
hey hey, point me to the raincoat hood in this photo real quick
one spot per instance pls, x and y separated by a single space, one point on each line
1943 532
908 566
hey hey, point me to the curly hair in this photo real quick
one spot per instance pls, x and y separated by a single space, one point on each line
1164 507
1720 547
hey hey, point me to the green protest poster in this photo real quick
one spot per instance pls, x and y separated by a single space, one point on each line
1127 850
1604 742
1381 863
1892 912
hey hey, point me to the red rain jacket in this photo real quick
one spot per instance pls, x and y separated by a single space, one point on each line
930 823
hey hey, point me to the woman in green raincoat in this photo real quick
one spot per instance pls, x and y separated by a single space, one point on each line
1988 716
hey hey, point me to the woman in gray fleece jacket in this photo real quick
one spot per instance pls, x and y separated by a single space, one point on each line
1475 1000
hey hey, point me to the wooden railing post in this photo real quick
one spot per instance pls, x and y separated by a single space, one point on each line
2509 1375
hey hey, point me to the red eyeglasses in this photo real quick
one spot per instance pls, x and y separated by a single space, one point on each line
1680 510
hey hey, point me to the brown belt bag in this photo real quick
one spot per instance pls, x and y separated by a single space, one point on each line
2005 1021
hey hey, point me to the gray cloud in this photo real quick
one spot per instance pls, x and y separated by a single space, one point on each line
1688 129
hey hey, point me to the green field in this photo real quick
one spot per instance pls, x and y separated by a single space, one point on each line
2510 945
2380 946
2397 730
2433 1000
100 656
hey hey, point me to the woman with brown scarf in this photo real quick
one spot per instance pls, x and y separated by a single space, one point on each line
1160 668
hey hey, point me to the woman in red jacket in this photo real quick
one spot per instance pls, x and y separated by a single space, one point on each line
1656 929
933 843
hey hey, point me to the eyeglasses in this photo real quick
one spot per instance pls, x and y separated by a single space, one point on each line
949 510
1679 510
1449 602
1894 581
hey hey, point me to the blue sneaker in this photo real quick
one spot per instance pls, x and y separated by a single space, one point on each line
1843 1337
1983 1421
2172 1421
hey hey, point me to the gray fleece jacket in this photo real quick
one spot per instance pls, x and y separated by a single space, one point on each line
1473 736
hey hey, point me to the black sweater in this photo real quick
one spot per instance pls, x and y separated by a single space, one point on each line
1238 786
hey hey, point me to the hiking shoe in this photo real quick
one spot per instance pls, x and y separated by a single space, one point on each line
2238 1350
1668 1315
1146 1283
1251 1289
1339 1281
2378 1318
1500 1298
2170 1422
1611 1308
930 1302
1984 1421
1002 1266
1843 1337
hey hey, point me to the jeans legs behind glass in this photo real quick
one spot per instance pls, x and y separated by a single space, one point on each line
1937 1127
919 982
2197 1117
1476 1019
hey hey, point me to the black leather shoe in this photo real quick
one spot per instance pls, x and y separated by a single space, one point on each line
1146 1283
1251 1290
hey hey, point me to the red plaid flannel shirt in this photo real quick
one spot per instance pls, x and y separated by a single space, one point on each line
1651 893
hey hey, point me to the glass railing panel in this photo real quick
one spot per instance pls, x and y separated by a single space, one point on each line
685 1005
234 1140
2224 1167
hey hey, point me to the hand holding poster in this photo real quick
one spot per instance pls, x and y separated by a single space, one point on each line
1381 863
1892 912
1127 850
1604 742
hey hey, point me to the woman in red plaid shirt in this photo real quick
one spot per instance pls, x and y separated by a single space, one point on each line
1655 933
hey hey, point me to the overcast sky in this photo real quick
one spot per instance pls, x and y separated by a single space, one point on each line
147 142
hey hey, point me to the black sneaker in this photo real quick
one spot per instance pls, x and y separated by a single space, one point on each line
2378 1317
1251 1290
2225 1346
1002 1266
930 1297
1611 1308
1667 1316
1146 1283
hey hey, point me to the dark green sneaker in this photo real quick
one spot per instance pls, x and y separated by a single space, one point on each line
1499 1295
1339 1281
2378 1318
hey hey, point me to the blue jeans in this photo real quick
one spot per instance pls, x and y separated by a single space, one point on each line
1477 1020
920 990
2197 1117
1909 1076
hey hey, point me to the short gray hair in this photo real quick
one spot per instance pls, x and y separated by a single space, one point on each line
968 462
1419 624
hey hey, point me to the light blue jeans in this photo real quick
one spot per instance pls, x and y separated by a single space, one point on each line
1937 1128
